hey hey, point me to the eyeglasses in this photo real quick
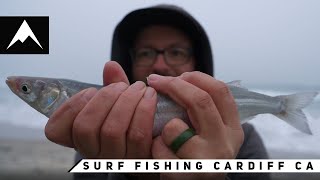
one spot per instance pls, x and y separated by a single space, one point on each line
174 56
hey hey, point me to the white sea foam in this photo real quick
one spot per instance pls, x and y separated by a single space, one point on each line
284 141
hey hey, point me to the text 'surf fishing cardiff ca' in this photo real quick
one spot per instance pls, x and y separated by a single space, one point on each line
47 94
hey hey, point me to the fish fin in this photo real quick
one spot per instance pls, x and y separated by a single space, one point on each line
293 113
236 83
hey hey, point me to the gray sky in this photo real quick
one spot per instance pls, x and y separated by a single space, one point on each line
259 42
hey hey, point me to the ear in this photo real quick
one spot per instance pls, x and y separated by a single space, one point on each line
113 72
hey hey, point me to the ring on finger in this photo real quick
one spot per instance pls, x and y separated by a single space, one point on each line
181 139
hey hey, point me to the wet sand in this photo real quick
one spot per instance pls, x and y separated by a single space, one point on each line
34 158
26 154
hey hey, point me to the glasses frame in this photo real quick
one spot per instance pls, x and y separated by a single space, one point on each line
163 52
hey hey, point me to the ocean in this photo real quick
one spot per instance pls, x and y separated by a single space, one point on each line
281 140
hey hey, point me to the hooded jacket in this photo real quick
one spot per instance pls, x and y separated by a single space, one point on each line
126 31
123 38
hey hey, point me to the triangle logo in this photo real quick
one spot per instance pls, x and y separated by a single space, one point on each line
24 35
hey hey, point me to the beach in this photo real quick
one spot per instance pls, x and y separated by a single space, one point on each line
29 155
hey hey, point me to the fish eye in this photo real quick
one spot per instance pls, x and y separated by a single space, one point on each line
25 88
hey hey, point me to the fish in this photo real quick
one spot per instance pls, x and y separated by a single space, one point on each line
47 94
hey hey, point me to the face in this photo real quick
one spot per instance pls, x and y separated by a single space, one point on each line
160 38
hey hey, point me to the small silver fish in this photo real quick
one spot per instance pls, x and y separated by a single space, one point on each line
47 94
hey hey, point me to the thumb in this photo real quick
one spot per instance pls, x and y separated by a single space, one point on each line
113 73
160 150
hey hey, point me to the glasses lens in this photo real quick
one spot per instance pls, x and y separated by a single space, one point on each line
177 56
144 56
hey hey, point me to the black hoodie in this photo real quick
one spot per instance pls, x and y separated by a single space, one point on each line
126 31
123 37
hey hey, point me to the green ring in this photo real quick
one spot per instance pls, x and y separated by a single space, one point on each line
181 139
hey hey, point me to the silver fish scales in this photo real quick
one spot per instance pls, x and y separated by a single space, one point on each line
47 94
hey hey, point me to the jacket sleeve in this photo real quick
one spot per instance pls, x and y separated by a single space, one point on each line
252 148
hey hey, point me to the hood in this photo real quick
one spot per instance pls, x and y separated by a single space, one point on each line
126 31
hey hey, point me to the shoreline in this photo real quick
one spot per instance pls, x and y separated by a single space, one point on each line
16 132
34 158
25 153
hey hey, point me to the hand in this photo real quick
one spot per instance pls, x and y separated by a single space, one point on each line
113 122
213 114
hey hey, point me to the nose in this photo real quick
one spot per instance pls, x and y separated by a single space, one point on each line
160 64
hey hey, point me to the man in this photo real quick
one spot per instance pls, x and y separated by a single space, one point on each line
157 45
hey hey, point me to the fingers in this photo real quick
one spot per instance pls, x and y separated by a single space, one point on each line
201 109
114 122
210 107
223 100
113 72
160 150
59 127
139 135
86 127
220 94
172 130
114 129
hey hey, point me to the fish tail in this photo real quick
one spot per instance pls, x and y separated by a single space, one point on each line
293 114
